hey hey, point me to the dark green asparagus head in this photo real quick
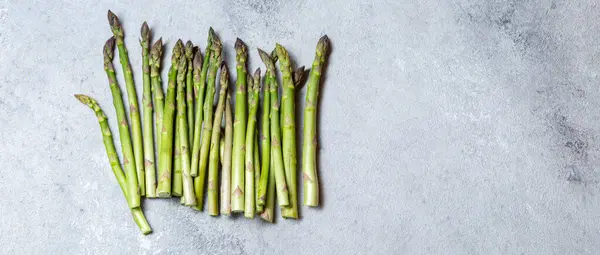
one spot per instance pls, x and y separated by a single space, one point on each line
115 26
88 101
109 49
241 51
211 35
181 69
256 81
322 47
189 50
224 77
216 49
156 53
145 31
282 55
267 60
177 52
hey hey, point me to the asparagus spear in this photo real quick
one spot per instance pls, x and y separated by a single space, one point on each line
177 179
239 129
267 213
113 158
309 144
126 147
157 91
148 136
259 208
250 136
215 61
265 140
289 132
134 114
200 70
182 126
213 166
226 160
275 131
166 149
189 90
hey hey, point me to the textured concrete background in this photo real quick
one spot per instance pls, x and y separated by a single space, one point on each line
466 127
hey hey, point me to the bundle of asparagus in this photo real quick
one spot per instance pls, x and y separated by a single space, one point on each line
194 140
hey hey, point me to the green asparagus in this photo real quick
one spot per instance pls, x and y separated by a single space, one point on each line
134 113
149 168
157 92
289 132
166 149
213 165
113 158
126 147
239 129
250 136
189 196
226 160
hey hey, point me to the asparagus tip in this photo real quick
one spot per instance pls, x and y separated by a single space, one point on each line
109 47
323 44
113 20
83 99
240 46
189 49
297 76
145 31
211 33
257 72
197 61
158 44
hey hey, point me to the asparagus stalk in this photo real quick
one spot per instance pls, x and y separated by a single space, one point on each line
265 141
182 126
213 167
113 158
226 160
267 213
259 208
275 131
134 114
149 168
177 179
250 136
309 144
157 92
189 90
239 129
126 147
289 132
215 61
200 71
166 149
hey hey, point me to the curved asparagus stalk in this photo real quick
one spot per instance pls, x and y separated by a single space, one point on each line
149 168
213 166
134 113
166 149
259 208
265 141
189 196
189 90
309 144
289 132
226 160
250 136
113 158
275 131
267 213
200 71
239 129
215 61
126 147
157 92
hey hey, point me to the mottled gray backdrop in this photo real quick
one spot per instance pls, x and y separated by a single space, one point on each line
466 127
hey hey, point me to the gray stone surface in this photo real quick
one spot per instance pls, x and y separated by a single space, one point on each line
446 128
